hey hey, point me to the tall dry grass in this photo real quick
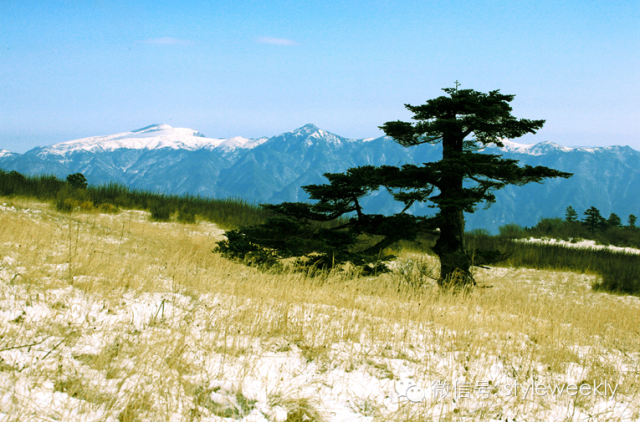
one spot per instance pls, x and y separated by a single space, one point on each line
140 321
617 272
227 212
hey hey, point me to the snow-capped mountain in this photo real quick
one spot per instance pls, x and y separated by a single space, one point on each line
533 149
272 170
150 137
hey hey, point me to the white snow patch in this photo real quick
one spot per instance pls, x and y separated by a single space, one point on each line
582 244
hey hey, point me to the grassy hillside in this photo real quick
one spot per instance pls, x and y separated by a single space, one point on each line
227 213
113 317
618 272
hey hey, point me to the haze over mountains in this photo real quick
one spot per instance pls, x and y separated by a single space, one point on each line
272 170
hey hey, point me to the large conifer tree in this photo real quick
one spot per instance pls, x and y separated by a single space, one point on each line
464 121
451 120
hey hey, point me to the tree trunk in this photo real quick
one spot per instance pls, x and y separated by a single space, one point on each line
455 264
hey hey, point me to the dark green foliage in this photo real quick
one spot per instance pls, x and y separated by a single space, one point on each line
77 181
571 215
284 237
72 196
316 234
457 183
614 221
228 213
65 202
42 187
463 178
594 221
619 272
160 211
620 236
16 176
486 249
632 221
511 231
185 216
547 226
561 229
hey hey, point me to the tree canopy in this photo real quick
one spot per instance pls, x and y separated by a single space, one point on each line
77 181
465 122
594 221
614 220
570 215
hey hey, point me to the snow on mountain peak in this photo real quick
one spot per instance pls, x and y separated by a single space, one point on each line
152 128
533 149
511 146
312 131
151 137
306 129
240 142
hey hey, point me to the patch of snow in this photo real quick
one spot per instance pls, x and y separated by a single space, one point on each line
143 336
583 244
4 207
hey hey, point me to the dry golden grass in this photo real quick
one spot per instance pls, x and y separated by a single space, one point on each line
126 319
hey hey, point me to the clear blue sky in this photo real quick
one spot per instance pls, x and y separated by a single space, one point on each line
77 68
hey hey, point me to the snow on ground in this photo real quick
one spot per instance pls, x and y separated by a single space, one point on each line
586 244
39 372
68 355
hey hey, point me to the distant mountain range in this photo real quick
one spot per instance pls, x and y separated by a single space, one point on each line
272 170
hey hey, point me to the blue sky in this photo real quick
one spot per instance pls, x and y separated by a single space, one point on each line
77 68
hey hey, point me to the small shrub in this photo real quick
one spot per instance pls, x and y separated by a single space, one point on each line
479 233
65 202
416 273
108 208
160 211
512 231
186 217
86 206
549 225
77 181
228 404
70 199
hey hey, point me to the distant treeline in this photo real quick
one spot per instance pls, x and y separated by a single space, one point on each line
593 226
74 193
619 272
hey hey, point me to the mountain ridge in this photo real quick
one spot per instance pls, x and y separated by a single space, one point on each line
308 130
272 170
150 137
